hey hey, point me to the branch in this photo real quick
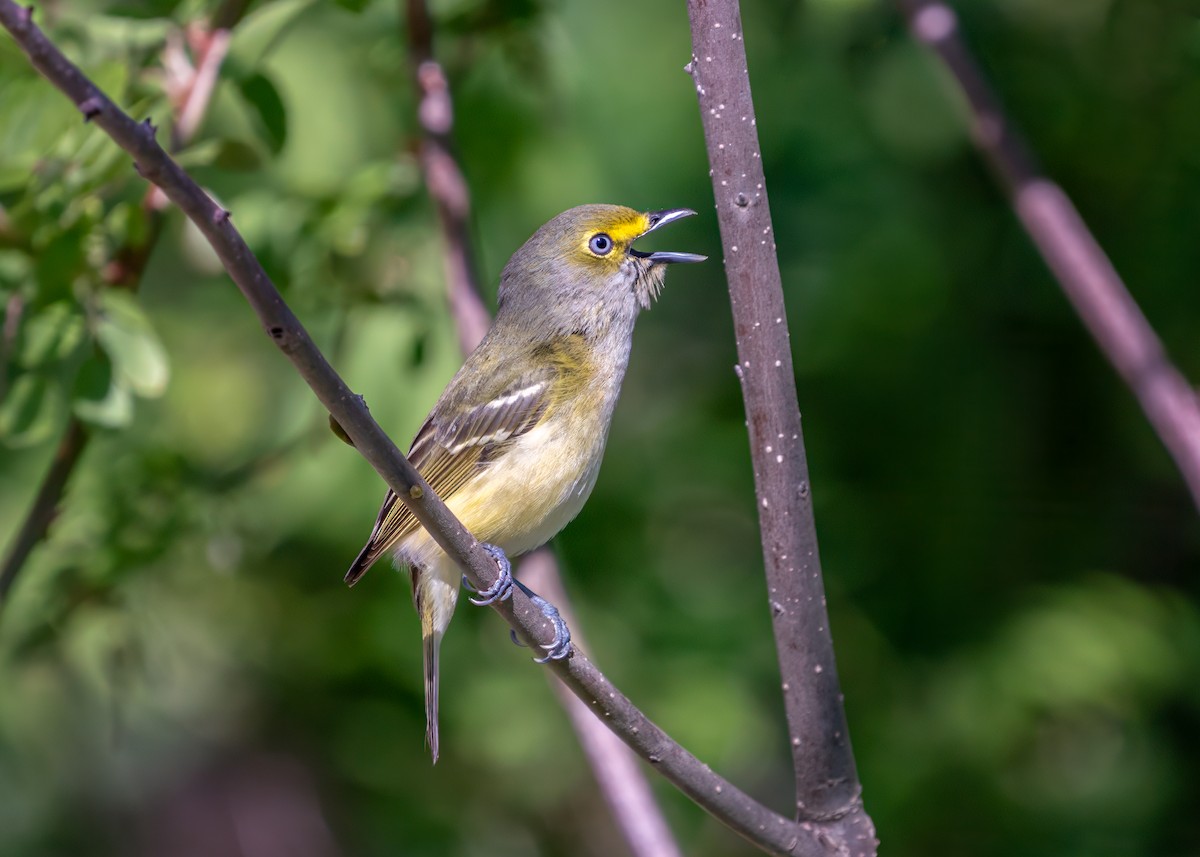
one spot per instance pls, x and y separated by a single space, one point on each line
618 776
45 506
827 786
1069 249
444 179
194 87
727 803
14 311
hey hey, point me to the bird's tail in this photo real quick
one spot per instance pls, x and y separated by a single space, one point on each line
435 591
432 643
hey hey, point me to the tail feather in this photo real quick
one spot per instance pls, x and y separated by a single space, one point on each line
361 563
435 591
431 644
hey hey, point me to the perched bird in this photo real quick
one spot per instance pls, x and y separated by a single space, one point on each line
514 443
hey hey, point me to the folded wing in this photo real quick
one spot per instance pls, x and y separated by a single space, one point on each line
453 445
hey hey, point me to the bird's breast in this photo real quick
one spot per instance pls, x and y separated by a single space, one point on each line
543 479
540 480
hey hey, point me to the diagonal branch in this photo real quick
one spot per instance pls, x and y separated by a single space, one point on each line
827 786
766 829
45 505
1069 249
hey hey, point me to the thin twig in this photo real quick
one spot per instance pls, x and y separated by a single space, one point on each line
620 779
766 829
44 509
212 49
827 786
14 311
1069 249
444 179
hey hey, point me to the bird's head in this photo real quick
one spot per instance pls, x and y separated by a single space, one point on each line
583 265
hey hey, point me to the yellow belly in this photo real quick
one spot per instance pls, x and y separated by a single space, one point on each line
528 494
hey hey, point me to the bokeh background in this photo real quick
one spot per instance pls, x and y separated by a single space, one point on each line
1013 565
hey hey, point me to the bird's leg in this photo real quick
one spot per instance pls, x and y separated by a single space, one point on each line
501 590
560 646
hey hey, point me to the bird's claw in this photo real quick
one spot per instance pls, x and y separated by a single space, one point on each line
501 590
560 646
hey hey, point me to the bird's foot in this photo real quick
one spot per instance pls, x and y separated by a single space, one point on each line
560 646
501 590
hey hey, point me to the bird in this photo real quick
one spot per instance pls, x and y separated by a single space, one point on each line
514 443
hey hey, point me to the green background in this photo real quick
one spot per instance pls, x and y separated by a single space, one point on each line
1012 562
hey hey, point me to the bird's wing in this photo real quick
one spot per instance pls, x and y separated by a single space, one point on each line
455 443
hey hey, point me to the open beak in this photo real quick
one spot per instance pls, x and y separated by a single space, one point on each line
662 218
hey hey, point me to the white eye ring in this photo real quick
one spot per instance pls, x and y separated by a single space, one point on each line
600 244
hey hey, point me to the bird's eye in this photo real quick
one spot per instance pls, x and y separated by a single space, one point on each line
600 244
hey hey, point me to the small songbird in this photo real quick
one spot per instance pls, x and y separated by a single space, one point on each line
513 446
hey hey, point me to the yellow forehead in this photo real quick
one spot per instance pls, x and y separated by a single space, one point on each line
621 225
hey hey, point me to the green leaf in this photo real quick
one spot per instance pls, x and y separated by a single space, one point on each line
94 378
259 32
199 154
238 156
58 263
100 397
31 410
263 98
145 9
50 335
126 335
31 121
15 266
125 225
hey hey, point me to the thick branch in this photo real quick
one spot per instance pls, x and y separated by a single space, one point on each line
768 830
827 786
1069 249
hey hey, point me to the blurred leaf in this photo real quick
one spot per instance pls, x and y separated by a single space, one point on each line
393 177
31 120
50 335
237 156
15 266
58 263
113 409
125 225
260 93
142 9
259 32
138 357
100 397
199 154
132 37
31 410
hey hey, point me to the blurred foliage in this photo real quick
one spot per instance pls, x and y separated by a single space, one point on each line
1012 562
